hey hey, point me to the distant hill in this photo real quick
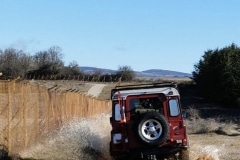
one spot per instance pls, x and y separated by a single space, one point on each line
151 73
165 73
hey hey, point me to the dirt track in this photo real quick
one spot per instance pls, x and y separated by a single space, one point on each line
95 90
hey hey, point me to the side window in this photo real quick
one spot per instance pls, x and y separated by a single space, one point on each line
134 103
117 114
174 107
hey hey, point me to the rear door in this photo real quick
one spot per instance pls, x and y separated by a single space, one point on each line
177 127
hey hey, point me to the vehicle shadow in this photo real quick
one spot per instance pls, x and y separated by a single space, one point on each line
4 153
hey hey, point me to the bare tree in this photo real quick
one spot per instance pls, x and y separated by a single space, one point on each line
9 62
73 69
14 62
126 73
55 54
49 62
40 58
25 61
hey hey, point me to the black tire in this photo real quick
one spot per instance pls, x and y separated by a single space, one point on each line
152 128
3 152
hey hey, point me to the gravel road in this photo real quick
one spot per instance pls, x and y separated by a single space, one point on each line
95 90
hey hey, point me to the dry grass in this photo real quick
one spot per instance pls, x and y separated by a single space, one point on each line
219 147
105 94
198 125
163 79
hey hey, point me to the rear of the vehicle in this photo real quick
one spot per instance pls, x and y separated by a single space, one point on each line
147 122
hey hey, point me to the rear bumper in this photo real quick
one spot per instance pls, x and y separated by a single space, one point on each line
146 152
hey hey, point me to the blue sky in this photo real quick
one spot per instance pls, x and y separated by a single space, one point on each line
153 34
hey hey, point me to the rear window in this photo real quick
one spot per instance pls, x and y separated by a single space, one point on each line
147 103
174 107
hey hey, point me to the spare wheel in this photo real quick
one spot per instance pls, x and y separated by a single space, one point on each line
152 128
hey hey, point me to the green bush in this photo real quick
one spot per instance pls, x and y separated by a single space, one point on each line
217 74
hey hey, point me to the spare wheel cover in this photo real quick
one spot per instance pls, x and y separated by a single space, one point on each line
152 128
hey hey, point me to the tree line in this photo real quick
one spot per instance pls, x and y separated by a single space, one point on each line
49 64
217 75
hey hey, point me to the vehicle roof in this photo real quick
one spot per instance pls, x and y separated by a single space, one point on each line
168 91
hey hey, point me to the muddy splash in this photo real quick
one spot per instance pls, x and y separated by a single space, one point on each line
88 139
204 153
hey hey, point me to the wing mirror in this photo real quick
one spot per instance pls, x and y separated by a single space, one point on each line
184 114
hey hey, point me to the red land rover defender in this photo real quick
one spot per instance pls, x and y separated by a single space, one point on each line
147 123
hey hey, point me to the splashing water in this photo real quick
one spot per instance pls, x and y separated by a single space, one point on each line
205 153
88 139
79 139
